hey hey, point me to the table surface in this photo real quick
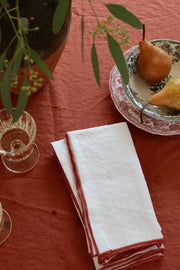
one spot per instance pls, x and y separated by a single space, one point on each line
47 233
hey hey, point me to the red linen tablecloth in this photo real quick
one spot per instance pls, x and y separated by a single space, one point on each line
47 233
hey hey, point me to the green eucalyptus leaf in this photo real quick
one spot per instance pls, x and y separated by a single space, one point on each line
95 63
82 37
22 101
17 62
40 63
60 15
118 57
2 59
124 15
24 22
18 54
5 89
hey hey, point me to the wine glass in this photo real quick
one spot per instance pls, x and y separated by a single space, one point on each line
17 142
5 225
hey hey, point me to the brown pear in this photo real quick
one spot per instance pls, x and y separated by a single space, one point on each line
169 96
154 64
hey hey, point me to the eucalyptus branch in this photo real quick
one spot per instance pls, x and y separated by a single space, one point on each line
10 10
93 10
116 37
11 20
10 43
82 6
23 52
17 5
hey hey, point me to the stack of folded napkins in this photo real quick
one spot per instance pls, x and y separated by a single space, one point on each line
110 194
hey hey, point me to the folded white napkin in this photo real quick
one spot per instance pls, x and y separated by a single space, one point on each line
109 191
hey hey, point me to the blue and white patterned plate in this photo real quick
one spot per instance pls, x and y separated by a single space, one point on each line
138 90
131 112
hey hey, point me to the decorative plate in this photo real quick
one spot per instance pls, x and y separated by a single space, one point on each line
156 120
138 90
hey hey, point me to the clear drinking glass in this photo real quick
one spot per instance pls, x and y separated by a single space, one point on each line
5 225
17 142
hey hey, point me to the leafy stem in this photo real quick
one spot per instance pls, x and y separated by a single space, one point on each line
22 54
7 12
93 10
115 34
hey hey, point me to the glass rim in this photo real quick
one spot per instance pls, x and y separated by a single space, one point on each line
31 138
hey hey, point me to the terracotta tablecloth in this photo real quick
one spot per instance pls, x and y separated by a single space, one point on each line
47 233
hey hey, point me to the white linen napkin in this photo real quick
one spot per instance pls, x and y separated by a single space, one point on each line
109 191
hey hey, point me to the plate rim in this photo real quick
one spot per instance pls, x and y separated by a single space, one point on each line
143 126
